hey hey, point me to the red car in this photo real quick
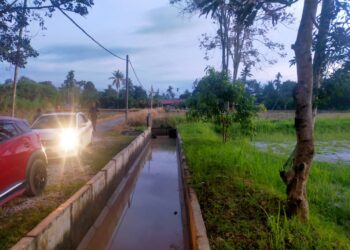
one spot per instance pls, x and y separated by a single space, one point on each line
23 161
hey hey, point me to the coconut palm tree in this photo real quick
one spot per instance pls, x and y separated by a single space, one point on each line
117 78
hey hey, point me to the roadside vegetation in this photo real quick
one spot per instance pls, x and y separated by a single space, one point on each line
243 197
75 94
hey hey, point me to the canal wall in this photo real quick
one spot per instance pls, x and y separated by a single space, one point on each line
192 215
65 227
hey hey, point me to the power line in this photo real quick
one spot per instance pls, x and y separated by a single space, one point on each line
87 34
99 44
137 78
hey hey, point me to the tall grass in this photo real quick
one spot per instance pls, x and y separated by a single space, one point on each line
238 161
160 118
139 118
25 108
325 129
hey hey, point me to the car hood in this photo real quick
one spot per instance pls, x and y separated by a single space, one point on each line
48 134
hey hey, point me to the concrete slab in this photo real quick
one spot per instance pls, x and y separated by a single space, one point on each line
54 230
110 171
28 243
81 220
98 184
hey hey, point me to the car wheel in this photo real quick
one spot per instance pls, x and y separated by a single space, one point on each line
37 177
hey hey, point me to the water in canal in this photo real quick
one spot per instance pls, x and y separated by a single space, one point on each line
151 216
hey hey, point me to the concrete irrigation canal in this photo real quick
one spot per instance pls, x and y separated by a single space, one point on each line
149 206
139 200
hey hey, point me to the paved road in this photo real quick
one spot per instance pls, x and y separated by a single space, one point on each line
107 125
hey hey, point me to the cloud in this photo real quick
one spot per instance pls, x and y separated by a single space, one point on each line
164 20
74 53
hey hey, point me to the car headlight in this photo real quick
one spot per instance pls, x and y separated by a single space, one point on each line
69 140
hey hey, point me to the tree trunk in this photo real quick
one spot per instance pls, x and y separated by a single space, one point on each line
18 54
326 16
222 40
239 41
296 179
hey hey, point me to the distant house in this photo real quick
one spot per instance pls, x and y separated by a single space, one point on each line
171 104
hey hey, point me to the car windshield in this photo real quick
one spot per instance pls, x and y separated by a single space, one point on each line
55 121
7 131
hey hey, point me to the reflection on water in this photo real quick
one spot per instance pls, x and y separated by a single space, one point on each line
153 221
332 152
151 213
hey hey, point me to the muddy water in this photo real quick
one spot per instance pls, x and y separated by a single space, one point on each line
151 217
332 151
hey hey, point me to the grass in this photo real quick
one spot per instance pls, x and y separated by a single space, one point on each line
139 118
14 225
325 129
98 159
242 196
19 224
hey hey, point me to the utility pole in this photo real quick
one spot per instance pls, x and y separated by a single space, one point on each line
127 88
151 95
15 76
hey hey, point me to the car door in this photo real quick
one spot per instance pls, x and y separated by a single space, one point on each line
14 149
28 142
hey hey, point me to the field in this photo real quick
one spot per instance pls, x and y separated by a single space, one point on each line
242 196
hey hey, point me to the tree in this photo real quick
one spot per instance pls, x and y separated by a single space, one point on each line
117 79
31 95
332 43
89 94
277 82
108 98
331 47
296 178
335 91
13 18
170 93
70 90
211 94
138 97
246 72
237 31
209 98
185 95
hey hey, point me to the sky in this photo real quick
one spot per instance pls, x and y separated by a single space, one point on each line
162 43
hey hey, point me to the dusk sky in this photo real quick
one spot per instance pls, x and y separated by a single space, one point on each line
162 43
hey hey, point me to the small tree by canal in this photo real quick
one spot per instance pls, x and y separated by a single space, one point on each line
215 98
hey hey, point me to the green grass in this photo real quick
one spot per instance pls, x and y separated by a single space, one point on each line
243 197
21 223
100 157
325 129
